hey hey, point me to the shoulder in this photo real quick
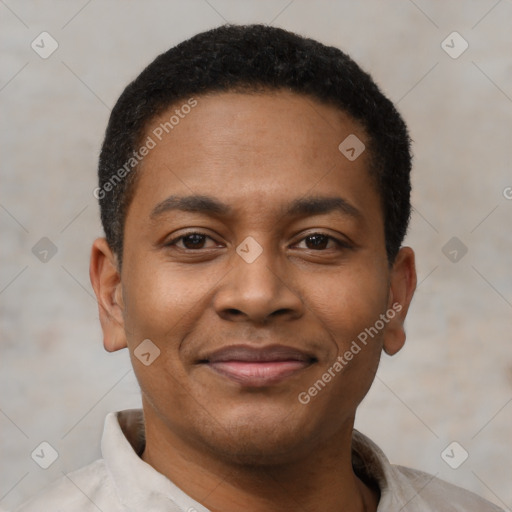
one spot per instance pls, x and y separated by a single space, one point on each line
439 495
411 490
85 490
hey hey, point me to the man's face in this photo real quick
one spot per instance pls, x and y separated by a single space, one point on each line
258 274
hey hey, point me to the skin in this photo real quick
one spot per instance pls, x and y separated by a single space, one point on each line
228 446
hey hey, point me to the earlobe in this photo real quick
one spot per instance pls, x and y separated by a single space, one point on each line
106 281
402 287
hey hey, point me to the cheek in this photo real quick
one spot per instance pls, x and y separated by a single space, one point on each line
146 310
164 302
154 302
349 301
348 307
160 306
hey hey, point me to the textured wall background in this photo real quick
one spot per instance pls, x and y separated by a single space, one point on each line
453 380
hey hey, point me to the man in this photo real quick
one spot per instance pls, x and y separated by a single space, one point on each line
254 192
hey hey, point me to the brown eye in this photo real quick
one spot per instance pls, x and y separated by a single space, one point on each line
193 241
317 241
190 241
320 242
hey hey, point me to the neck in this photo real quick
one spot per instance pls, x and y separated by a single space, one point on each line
324 481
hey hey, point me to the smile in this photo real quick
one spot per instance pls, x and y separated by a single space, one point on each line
258 367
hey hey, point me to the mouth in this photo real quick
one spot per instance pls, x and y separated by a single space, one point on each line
258 367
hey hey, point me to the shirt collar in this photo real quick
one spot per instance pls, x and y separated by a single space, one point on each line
140 487
396 490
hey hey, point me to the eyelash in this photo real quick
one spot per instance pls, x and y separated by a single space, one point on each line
341 244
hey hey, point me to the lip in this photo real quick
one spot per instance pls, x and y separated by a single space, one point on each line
258 366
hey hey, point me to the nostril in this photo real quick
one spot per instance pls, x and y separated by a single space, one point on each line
281 312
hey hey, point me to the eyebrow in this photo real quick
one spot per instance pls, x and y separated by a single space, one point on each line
299 207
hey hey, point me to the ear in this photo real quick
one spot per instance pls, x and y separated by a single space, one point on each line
402 286
106 281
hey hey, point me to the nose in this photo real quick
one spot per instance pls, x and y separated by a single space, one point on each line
258 291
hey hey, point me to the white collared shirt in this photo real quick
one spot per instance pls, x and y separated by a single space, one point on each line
122 482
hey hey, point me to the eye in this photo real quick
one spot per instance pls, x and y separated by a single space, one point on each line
315 241
321 241
190 241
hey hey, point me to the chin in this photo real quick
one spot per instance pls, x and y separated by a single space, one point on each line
258 444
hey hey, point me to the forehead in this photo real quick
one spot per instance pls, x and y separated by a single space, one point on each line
259 148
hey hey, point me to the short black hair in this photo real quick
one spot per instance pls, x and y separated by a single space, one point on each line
255 58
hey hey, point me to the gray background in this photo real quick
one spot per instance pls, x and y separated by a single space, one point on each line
452 381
